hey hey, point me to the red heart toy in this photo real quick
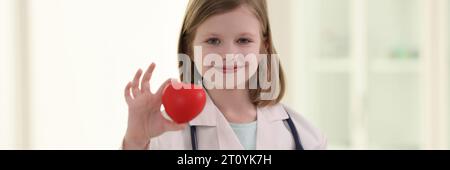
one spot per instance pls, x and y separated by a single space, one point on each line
183 102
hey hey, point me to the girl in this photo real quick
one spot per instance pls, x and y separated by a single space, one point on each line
233 118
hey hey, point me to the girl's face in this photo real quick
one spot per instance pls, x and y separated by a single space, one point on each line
235 39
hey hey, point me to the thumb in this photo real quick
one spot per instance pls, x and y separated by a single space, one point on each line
161 88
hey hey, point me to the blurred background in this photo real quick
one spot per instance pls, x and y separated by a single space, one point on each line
371 74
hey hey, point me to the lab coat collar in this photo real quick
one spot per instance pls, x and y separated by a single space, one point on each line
210 114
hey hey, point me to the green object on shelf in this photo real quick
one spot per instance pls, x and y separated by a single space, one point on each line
404 53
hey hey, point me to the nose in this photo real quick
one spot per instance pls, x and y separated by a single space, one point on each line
229 48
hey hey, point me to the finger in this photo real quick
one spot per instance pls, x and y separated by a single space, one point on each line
161 88
145 83
135 85
127 93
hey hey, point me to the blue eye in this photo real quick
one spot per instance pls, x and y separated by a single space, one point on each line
213 41
244 41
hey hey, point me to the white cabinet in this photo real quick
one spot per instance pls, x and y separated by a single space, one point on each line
369 71
392 106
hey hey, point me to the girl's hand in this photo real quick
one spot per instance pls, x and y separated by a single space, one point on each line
145 119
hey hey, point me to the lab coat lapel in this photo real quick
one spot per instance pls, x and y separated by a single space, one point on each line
213 130
226 136
270 127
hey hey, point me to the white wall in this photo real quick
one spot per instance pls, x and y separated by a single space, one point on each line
82 54
7 138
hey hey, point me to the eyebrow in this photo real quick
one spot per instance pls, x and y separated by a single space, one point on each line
211 34
218 35
247 34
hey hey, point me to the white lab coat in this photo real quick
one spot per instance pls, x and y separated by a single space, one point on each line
214 132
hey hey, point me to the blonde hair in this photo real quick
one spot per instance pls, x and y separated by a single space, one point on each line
200 10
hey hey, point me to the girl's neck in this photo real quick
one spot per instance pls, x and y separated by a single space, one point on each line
235 104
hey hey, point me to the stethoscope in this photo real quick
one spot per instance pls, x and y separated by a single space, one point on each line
298 144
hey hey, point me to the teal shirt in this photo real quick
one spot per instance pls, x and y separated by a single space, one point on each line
246 133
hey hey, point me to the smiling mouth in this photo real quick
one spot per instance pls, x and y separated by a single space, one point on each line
229 69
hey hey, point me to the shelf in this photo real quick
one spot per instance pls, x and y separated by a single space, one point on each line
388 66
382 66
